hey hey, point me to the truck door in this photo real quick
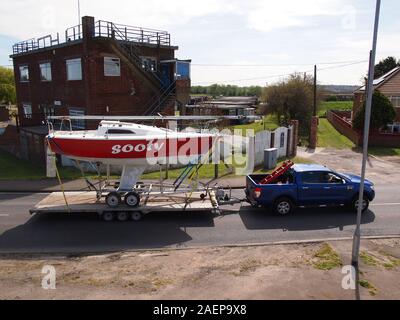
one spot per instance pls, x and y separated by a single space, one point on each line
310 189
334 188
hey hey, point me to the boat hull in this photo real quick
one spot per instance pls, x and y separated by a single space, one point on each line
141 152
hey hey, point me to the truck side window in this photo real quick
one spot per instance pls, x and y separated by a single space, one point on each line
311 177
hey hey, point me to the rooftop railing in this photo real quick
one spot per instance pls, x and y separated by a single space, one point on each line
104 29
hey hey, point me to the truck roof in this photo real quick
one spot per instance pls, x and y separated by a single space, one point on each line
309 167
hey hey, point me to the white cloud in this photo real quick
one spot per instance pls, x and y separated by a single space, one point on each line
34 18
268 15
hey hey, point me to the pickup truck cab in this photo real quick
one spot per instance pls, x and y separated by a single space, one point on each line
308 185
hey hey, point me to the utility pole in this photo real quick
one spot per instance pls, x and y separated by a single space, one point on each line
315 91
79 12
369 92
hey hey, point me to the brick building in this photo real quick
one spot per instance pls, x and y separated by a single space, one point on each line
101 68
389 85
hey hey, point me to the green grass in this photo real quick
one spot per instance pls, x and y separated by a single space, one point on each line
15 169
334 105
368 259
269 122
367 285
327 258
329 137
381 152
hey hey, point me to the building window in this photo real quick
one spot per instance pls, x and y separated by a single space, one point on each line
149 64
182 70
77 124
45 71
74 69
395 100
24 73
27 107
48 110
112 67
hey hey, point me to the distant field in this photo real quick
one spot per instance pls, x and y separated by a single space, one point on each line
269 122
334 105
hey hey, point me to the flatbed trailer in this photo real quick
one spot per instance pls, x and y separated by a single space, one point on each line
88 202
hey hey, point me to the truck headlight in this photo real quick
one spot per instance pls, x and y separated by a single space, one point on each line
372 188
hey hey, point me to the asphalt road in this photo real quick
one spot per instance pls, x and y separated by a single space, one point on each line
78 233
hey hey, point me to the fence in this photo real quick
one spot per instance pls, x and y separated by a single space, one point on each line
282 139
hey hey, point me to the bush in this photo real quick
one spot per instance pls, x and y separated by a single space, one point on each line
382 113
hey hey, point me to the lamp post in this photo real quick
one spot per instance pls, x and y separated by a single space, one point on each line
369 92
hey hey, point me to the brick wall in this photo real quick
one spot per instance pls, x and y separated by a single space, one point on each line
376 139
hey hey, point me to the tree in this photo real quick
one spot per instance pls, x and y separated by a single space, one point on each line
7 86
385 65
382 113
292 99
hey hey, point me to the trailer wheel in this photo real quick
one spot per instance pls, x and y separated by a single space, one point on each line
107 216
113 199
122 216
136 216
132 199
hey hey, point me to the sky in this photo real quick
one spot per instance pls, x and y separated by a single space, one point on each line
252 42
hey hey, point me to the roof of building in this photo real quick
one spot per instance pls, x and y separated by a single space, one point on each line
382 80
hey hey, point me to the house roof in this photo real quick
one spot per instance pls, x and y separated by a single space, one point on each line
382 80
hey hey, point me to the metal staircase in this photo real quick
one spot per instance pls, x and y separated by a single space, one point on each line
161 100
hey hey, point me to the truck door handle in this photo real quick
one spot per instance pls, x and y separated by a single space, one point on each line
327 188
305 188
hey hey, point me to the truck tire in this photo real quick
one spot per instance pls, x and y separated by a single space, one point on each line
283 206
354 204
113 199
132 199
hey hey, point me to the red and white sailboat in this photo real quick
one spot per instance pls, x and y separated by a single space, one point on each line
133 146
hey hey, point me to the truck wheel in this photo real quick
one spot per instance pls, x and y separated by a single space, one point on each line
107 216
132 199
122 216
365 204
136 216
113 199
283 206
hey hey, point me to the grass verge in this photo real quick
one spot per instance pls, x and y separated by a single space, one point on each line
329 137
327 258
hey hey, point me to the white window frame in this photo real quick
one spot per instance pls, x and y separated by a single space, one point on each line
27 108
397 99
24 67
45 71
112 67
69 63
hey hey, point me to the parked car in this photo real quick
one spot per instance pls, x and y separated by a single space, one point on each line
308 185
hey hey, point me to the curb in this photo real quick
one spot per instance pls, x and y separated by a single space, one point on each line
196 247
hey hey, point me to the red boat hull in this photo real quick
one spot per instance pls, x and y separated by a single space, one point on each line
118 151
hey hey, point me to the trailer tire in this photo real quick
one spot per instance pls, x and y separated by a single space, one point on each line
132 199
122 216
107 216
136 216
113 199
283 206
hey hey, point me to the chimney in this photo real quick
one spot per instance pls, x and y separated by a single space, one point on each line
87 27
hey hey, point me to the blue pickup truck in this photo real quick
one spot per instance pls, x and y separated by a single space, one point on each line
307 185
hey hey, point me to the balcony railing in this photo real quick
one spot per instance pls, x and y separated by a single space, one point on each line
129 33
104 29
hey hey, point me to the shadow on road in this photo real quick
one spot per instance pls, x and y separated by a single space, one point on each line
56 232
302 219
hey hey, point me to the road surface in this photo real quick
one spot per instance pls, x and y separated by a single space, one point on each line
79 233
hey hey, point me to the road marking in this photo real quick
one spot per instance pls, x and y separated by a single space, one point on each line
4 215
386 204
